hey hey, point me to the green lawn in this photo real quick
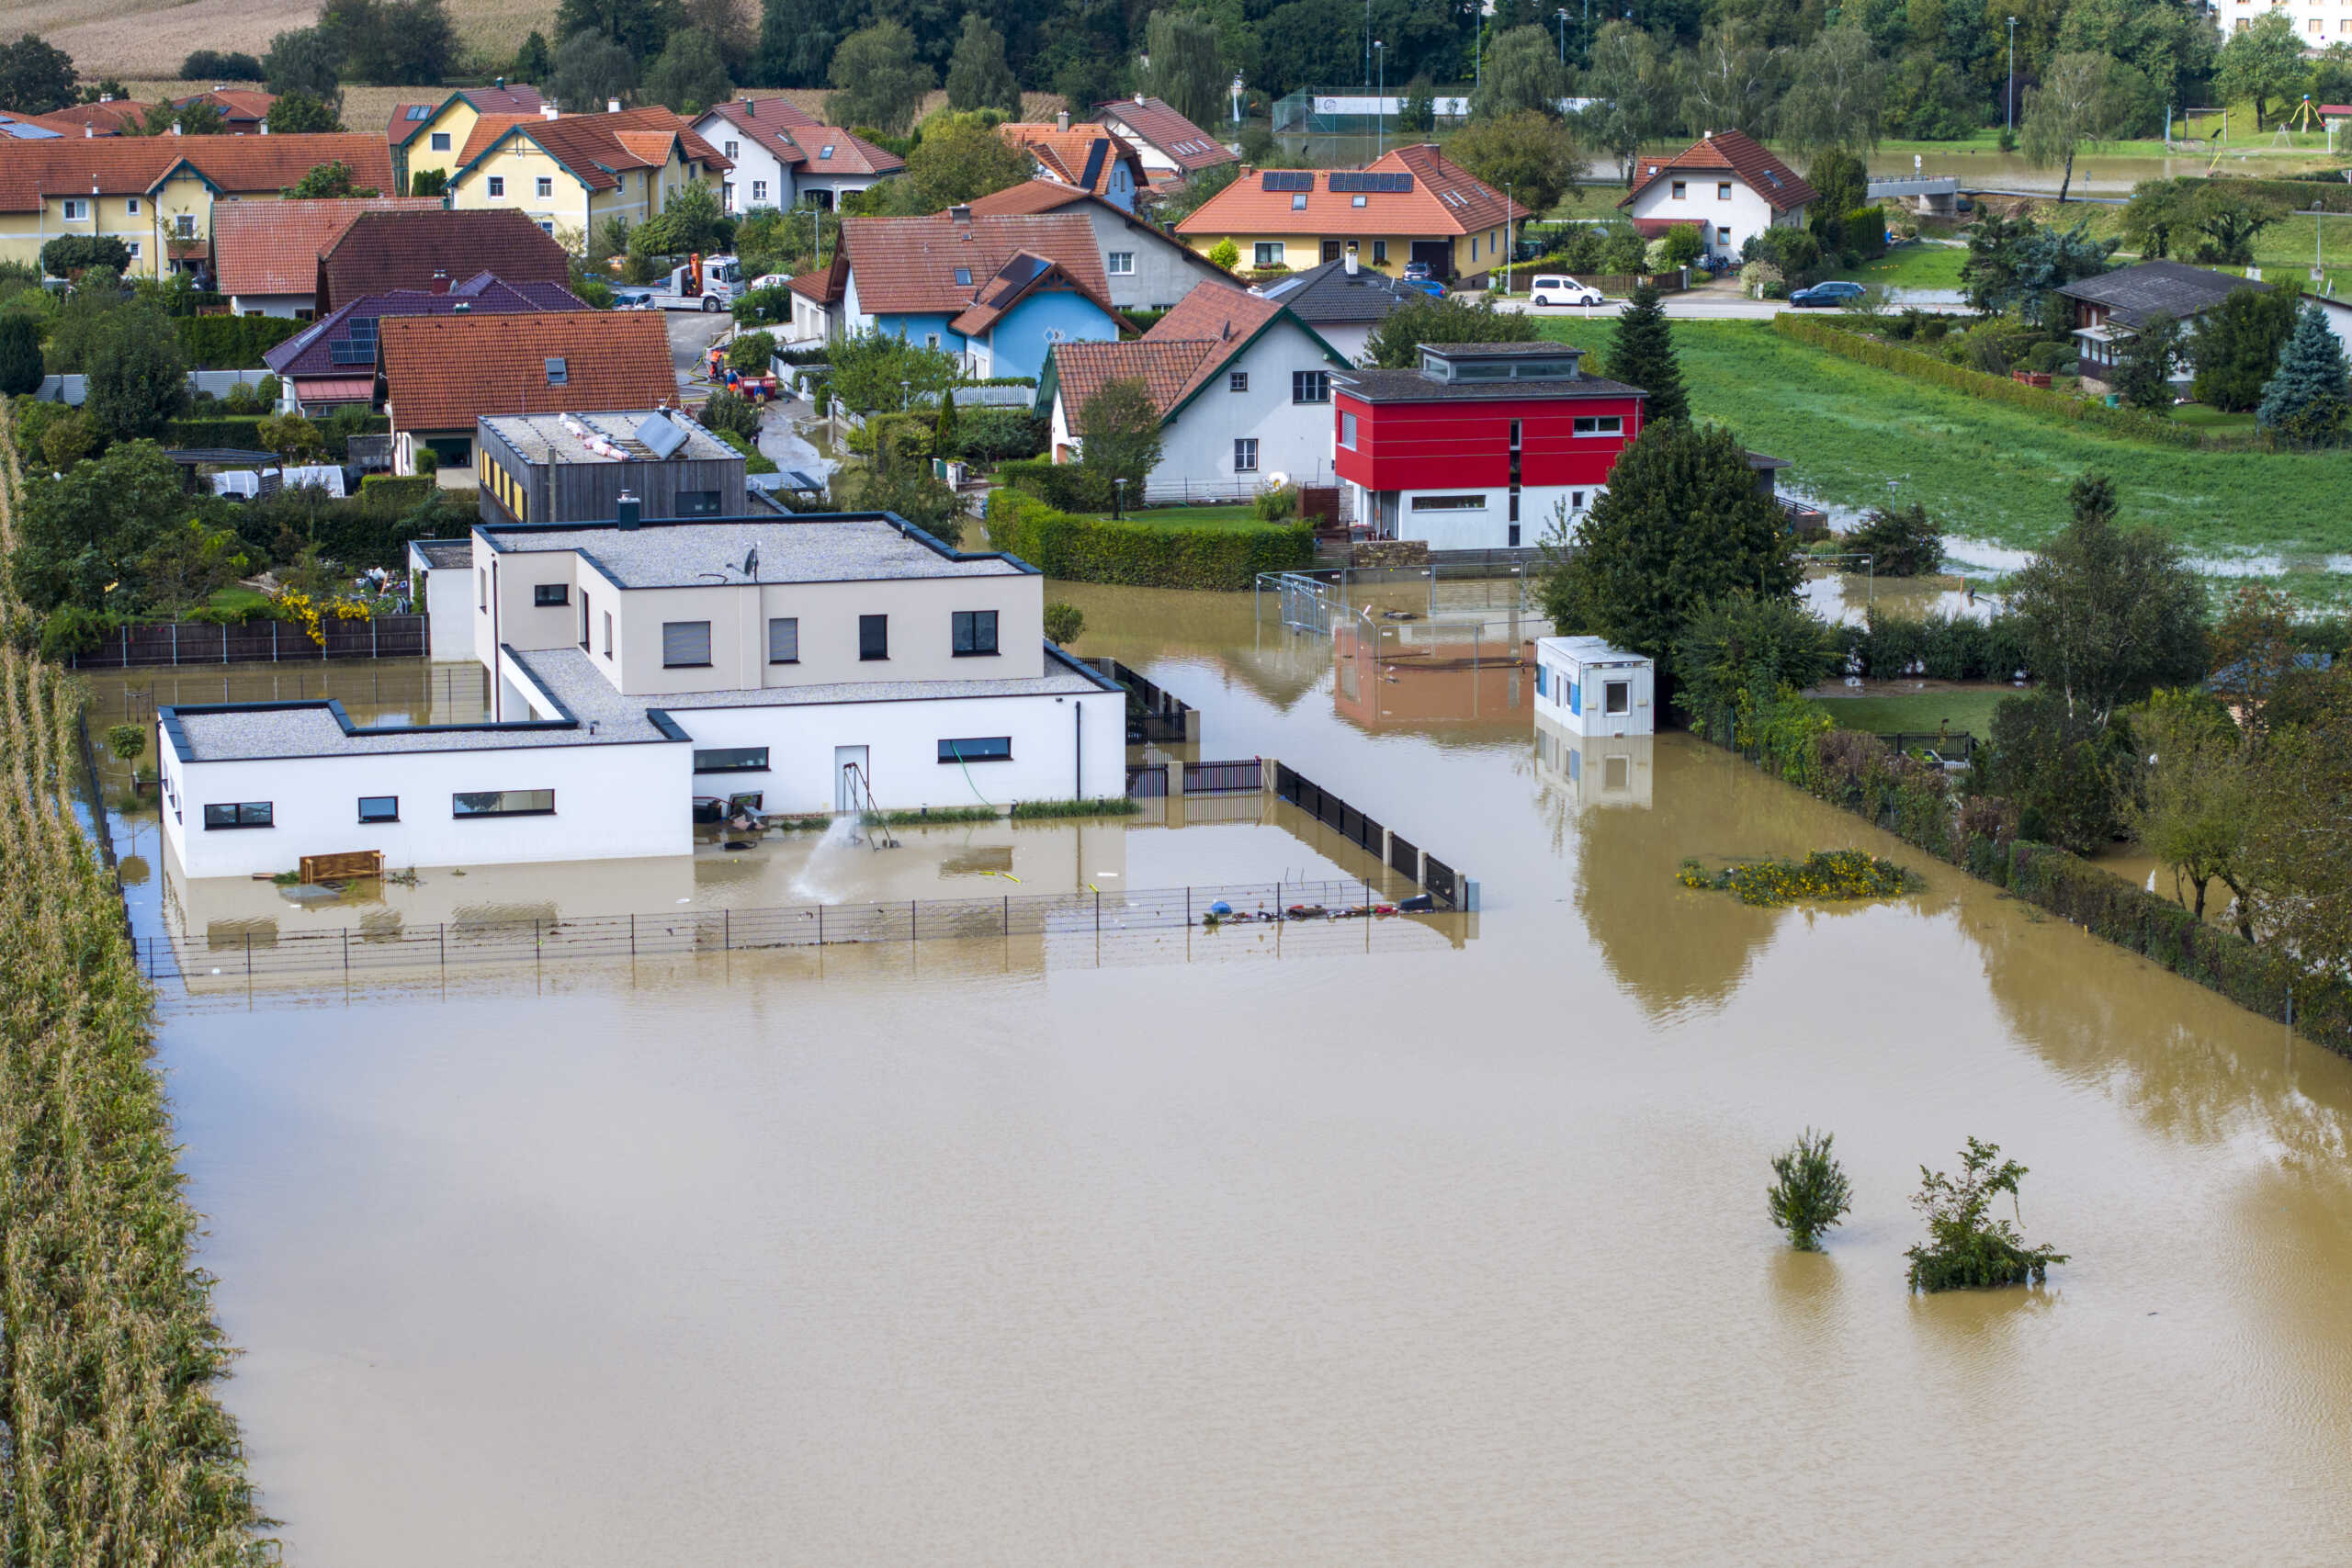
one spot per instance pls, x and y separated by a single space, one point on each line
1969 711
1925 265
2210 418
1197 518
1983 469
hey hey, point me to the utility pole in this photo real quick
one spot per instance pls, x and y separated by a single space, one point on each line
1380 101
1563 13
2009 98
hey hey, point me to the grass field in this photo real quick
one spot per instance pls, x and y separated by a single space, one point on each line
1928 266
1986 470
1968 710
1237 517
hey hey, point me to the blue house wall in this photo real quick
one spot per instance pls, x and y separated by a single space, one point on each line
916 330
1018 342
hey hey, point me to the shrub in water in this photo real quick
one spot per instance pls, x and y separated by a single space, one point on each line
1812 1193
1825 874
1966 1249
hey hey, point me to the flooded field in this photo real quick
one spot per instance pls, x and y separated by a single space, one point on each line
1426 1252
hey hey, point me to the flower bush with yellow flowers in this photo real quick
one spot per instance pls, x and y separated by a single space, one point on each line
1825 874
313 615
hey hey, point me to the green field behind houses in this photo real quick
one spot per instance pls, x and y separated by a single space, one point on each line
1988 470
1967 710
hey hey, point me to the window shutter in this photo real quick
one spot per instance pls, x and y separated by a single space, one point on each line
686 642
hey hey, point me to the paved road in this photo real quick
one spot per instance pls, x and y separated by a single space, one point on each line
691 332
1722 305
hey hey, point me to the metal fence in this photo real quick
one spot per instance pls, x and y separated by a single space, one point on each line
1147 781
382 945
257 642
1947 745
1449 890
1224 778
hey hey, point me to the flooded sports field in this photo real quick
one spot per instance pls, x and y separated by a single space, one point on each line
1401 1245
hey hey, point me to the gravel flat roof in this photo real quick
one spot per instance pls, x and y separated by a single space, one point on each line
572 678
546 438
702 555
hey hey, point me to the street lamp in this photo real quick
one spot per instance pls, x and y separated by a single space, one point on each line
1380 101
1508 246
1119 498
2010 104
1563 13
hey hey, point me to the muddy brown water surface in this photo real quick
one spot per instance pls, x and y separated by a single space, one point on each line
1433 1253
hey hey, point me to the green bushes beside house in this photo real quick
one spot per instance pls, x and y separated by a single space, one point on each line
232 342
1139 553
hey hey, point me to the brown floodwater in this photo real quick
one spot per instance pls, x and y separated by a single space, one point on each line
1410 1253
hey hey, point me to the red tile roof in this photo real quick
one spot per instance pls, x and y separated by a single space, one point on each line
445 372
1152 120
1070 156
134 166
487 129
1030 197
238 106
272 247
379 251
800 141
1184 350
599 148
1445 198
115 118
908 265
1782 188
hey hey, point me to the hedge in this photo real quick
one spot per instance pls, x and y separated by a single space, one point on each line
244 430
1946 647
2298 196
394 495
1143 555
1919 367
1072 487
232 342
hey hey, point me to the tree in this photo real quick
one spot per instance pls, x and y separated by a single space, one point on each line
2304 403
82 531
592 70
1681 523
1836 97
943 431
392 42
1417 106
690 220
2228 224
1530 154
1740 645
2237 347
1396 343
2158 211
305 61
977 77
879 80
797 36
1641 354
324 181
36 76
1630 76
294 438
2073 106
1731 80
691 74
2300 852
1225 253
2261 62
877 372
1900 543
2109 613
1119 426
531 62
199 119
1186 64
186 566
296 114
137 374
2015 262
2194 809
731 414
961 158
1064 622
1523 76
212 65
427 182
70 254
20 368
1810 1192
640 26
1966 1249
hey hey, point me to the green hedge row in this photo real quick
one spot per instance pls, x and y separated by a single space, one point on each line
1145 555
2298 196
1911 363
232 342
244 430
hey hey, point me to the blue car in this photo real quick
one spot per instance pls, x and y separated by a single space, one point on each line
1835 292
1428 285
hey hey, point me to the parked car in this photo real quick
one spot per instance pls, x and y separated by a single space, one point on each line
1552 289
1417 272
1427 285
1835 292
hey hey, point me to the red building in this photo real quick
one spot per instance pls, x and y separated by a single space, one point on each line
1480 447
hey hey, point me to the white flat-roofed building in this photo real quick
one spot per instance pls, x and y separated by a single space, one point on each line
639 668
1589 688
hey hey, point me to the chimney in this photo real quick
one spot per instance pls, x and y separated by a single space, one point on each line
625 514
88 130
175 128
1138 98
612 106
959 214
1348 261
440 283
1062 120
498 83
547 109
264 128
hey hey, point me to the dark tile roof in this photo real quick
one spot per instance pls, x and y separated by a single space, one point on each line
445 372
312 350
380 252
2132 294
1326 293
272 247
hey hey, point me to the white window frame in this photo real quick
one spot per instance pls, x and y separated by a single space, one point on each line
130 206
1120 264
1267 253
1348 431
77 210
1603 425
759 192
1245 454
545 186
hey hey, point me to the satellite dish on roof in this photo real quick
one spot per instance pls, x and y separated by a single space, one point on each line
751 564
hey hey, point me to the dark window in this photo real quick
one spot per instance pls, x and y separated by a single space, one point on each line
784 639
503 803
1616 697
586 620
1514 536
379 808
246 814
1238 381
608 634
685 645
546 594
983 749
873 636
559 373
1310 386
731 760
964 277
975 632
697 504
1514 434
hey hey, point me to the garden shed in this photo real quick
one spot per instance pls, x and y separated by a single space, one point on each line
1586 687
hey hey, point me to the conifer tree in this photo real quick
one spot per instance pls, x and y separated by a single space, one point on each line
2306 400
977 77
1642 355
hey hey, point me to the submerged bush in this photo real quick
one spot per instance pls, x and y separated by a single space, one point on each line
1966 1249
1812 1193
1092 806
1825 874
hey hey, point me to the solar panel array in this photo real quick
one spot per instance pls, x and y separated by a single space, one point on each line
360 348
1286 179
1376 184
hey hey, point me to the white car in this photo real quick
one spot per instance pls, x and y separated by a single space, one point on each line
1564 291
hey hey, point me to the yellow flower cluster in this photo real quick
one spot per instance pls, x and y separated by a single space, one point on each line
1825 874
312 616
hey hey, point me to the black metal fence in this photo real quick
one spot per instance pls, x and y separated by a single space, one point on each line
1147 781
1947 745
1450 891
1224 778
257 642
1441 881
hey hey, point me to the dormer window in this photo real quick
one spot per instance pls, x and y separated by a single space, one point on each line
826 151
964 277
559 373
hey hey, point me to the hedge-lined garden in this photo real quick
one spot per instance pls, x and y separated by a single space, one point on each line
1141 554
232 342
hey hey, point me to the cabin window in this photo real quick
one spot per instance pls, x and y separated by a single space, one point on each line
732 759
975 633
873 636
784 639
379 808
243 814
502 803
685 645
979 749
1616 697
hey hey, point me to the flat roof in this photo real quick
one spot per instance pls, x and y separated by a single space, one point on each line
829 548
1502 350
1412 386
573 679
1591 650
563 438
443 553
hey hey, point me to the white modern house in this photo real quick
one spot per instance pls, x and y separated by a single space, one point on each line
1243 388
643 671
1590 689
1725 185
440 575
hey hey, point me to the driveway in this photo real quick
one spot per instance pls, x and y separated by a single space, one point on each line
691 334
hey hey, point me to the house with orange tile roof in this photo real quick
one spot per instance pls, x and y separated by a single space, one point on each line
1243 388
1725 185
443 373
429 136
1413 205
158 193
243 110
266 253
1086 157
1173 148
995 292
783 155
1147 267
108 117
570 174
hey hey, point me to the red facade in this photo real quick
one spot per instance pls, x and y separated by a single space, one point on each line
1447 442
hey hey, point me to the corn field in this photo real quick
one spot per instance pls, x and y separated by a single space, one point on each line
114 1450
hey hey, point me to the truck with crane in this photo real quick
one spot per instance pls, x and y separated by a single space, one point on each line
699 283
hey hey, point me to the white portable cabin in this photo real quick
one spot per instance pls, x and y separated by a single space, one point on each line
1586 687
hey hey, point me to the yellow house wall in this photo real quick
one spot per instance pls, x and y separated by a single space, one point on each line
457 120
1303 250
574 209
142 221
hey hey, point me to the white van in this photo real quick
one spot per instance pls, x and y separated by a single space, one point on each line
1564 291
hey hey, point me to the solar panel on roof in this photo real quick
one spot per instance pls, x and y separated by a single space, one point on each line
1287 180
661 438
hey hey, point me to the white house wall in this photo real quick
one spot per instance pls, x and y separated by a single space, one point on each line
1487 528
1165 270
1196 449
1744 214
449 612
